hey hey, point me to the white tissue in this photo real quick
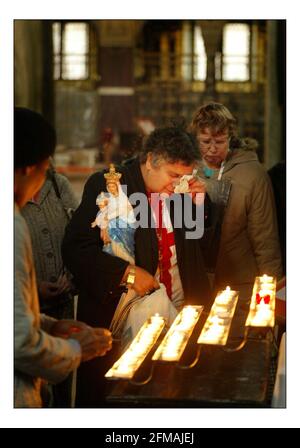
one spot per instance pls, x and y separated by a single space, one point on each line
183 185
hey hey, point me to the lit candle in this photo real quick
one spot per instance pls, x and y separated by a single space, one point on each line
178 335
261 313
217 326
215 320
214 333
123 370
189 313
223 299
129 362
156 318
266 279
222 313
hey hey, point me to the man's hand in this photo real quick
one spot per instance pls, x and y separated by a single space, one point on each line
143 283
197 190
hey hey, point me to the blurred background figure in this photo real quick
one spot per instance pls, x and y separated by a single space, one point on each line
145 125
46 215
107 146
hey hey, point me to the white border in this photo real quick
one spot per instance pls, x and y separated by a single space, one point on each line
112 418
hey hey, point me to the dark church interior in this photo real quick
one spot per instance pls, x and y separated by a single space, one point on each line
105 85
119 76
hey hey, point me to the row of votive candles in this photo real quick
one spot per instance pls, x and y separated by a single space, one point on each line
215 331
170 348
132 358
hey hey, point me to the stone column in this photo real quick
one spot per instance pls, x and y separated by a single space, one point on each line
212 35
33 66
187 51
274 105
164 57
116 42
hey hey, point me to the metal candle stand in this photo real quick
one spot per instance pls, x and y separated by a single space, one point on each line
214 332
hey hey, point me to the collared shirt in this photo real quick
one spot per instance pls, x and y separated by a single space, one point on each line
168 266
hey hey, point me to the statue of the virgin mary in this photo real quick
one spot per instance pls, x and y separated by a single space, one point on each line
116 218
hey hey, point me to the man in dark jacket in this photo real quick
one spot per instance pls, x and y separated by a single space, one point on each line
167 155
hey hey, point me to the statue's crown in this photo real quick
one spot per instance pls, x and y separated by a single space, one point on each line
112 175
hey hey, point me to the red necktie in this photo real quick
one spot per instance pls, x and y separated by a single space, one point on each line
165 242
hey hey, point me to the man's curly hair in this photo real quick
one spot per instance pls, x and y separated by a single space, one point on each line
171 144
